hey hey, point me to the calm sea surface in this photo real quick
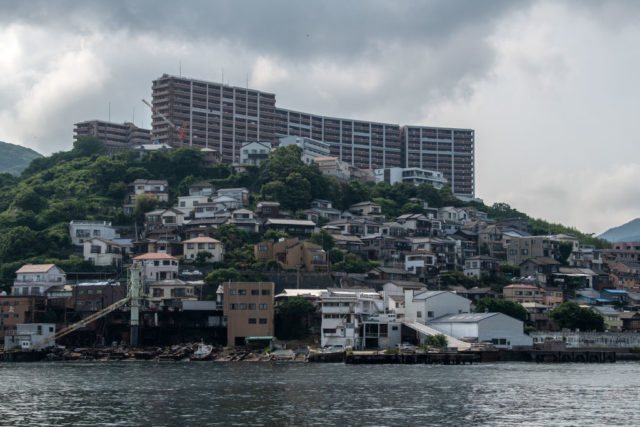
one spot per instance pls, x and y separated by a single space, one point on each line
209 393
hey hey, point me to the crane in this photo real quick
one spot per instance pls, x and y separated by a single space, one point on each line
178 129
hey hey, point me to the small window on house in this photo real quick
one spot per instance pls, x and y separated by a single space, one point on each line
263 306
263 321
242 291
255 292
266 292
252 321
243 306
419 314
429 313
252 306
234 306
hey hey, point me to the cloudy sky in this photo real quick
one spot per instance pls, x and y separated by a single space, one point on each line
550 87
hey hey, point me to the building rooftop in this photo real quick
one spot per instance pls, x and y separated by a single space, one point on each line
35 268
202 239
158 255
464 318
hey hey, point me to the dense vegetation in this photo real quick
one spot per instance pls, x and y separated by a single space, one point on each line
571 316
86 183
15 158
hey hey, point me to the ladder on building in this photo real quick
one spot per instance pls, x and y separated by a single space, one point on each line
83 323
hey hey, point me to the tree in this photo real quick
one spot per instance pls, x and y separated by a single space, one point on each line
292 318
438 340
202 257
144 203
571 316
493 305
565 250
322 238
336 255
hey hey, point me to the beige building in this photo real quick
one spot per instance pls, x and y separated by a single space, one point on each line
521 293
215 247
248 307
292 254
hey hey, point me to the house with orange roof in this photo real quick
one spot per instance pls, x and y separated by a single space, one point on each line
214 247
36 279
158 266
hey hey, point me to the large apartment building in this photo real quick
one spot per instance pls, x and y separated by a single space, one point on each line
222 117
115 136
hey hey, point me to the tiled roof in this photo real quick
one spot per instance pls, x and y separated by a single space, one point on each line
154 256
35 268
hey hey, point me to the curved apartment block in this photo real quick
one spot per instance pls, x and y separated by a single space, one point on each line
207 114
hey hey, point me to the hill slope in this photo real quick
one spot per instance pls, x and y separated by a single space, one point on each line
15 158
629 232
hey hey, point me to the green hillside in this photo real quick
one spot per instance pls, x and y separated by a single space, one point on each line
86 183
15 158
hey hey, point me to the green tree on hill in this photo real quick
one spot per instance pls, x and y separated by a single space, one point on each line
494 305
570 315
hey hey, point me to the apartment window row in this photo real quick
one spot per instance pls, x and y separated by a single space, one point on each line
253 292
250 306
262 321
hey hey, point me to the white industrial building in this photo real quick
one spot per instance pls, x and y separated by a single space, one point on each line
422 307
501 330
30 335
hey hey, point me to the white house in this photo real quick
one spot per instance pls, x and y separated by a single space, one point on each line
81 230
103 252
158 266
356 318
415 262
187 204
239 194
422 307
35 279
164 292
203 244
415 176
501 330
254 153
245 220
311 148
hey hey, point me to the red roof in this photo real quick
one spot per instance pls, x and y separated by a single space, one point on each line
154 256
521 286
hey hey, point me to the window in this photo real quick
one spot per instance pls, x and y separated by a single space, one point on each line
212 245
96 233
262 248
429 313
252 321
234 306
242 291
243 306
252 306
95 249
262 306
232 291
419 314
255 292
266 292
190 245
263 321
394 328
200 245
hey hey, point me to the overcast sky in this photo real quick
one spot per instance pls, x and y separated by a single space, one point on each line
549 87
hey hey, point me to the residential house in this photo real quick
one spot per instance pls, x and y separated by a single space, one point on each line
474 294
356 226
624 251
245 220
618 297
290 226
214 247
81 230
540 269
268 210
393 295
418 225
293 254
158 266
35 279
348 243
521 248
481 266
356 318
490 241
521 293
322 209
332 166
241 195
103 252
158 189
169 294
311 148
164 218
415 176
368 209
253 153
420 262
612 320
537 315
249 311
499 329
630 321
553 296
201 188
389 273
188 204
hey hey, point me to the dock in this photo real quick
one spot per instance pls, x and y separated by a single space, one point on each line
427 358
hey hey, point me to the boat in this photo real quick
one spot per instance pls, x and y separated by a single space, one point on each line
203 351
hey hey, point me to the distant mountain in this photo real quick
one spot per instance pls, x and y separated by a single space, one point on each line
15 158
629 232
